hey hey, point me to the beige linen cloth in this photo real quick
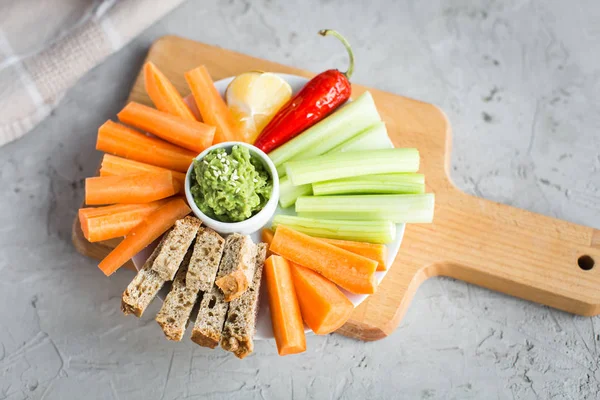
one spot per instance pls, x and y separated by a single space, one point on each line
47 45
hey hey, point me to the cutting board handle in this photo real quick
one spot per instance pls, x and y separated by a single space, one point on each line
517 252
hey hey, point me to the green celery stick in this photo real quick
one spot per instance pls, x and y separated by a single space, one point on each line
372 184
331 142
373 138
288 193
362 231
398 208
350 164
346 122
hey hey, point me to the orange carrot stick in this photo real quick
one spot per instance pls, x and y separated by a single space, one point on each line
377 252
145 233
288 328
130 189
266 236
113 166
192 135
212 107
163 94
109 222
323 305
352 272
125 142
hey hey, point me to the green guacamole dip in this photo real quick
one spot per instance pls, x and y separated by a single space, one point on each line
230 187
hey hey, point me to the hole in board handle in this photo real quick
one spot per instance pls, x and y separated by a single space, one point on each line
586 262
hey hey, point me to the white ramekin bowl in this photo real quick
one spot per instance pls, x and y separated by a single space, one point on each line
253 223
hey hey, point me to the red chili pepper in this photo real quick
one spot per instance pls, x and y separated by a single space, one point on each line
317 99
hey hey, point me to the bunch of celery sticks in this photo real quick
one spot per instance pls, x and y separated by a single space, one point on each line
347 181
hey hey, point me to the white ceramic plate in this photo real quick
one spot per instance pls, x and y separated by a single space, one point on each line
263 322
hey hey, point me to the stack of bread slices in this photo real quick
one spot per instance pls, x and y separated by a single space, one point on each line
222 275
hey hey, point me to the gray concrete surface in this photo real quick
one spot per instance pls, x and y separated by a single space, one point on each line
519 80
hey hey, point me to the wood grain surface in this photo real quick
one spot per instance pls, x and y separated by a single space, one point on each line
499 247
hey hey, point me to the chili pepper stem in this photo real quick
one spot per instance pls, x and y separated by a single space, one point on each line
325 32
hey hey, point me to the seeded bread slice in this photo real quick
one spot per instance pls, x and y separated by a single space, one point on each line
176 244
237 266
144 286
240 325
175 313
210 319
204 264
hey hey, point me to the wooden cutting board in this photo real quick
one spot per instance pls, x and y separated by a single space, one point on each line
475 240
